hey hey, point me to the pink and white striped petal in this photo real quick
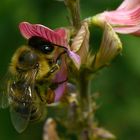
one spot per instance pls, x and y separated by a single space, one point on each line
122 18
125 19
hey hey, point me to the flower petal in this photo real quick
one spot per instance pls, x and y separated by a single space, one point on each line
110 47
80 43
79 38
135 30
75 58
122 20
59 92
61 79
129 4
57 37
125 19
61 32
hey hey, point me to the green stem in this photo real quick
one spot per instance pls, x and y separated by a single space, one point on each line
85 103
74 9
84 80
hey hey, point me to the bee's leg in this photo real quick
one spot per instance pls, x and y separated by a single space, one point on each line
54 69
50 96
45 94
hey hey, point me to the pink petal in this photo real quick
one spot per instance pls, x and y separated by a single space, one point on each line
129 30
131 17
60 91
137 33
126 19
61 76
129 4
61 32
57 37
75 58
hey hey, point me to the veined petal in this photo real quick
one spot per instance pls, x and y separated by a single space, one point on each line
57 37
61 32
80 43
125 19
127 30
79 38
122 18
110 47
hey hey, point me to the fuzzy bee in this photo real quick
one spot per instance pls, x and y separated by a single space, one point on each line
37 74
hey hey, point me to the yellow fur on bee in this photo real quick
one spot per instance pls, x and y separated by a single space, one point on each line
44 67
15 58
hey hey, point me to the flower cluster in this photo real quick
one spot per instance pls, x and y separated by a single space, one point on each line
125 19
59 37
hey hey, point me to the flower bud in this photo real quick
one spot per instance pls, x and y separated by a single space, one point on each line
110 47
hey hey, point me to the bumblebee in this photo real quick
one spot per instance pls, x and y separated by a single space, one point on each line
29 86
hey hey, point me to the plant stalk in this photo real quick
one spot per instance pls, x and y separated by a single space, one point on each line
84 80
74 9
85 103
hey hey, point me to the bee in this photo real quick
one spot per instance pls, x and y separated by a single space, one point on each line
29 86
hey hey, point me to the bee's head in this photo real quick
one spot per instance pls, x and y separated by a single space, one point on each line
39 54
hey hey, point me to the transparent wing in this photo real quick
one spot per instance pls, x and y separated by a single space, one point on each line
21 98
20 117
4 102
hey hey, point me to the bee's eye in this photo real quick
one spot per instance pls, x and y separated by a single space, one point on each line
41 44
47 48
27 59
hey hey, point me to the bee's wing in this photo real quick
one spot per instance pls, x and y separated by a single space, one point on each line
3 100
20 105
4 92
20 121
22 95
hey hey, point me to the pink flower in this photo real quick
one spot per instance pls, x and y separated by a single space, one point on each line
59 38
125 19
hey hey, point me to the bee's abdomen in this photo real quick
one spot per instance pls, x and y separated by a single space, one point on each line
34 113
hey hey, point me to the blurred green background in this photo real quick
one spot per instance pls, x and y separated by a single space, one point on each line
118 85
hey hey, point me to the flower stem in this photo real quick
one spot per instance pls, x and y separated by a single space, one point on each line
85 104
84 81
74 9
